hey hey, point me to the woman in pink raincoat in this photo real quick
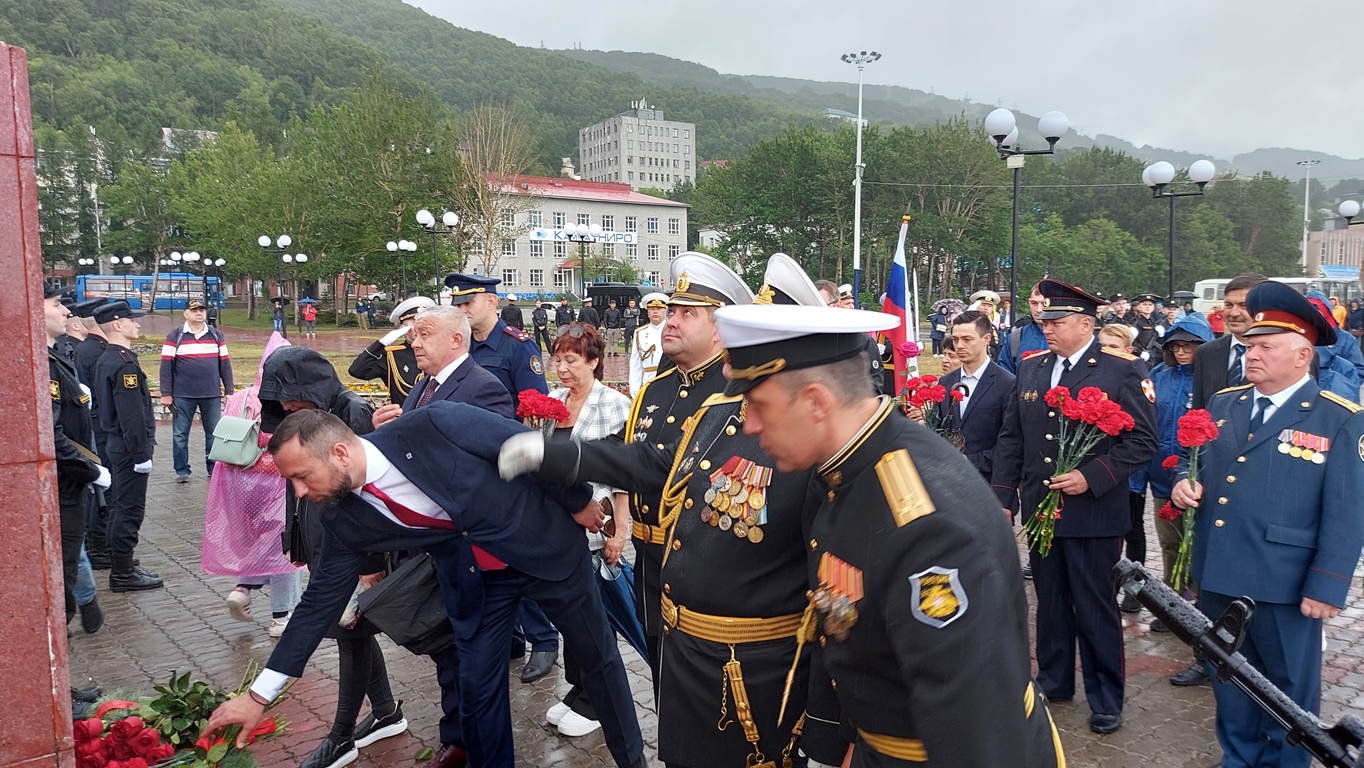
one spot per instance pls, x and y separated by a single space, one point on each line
245 519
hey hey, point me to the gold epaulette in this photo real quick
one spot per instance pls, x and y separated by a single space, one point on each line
720 398
1035 353
904 489
1345 403
1237 388
1118 353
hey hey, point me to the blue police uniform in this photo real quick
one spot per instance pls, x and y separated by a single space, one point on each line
1279 522
1075 597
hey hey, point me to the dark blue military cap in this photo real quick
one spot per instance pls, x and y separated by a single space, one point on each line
463 288
87 308
51 291
1059 300
115 310
1151 297
1277 308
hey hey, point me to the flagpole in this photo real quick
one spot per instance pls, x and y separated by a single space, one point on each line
912 332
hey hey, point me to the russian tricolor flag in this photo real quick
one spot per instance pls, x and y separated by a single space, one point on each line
899 302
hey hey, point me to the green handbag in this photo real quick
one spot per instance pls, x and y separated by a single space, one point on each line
236 439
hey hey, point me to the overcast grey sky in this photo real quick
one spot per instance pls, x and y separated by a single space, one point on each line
1211 76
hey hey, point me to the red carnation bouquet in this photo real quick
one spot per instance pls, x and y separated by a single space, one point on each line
540 411
926 394
1085 420
1196 429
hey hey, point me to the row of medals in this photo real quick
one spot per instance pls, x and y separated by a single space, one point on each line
733 506
1299 452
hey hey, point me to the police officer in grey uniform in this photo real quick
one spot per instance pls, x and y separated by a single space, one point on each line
125 412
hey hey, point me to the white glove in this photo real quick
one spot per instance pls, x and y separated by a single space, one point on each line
105 479
1160 331
522 453
393 335
143 468
89 396
1145 355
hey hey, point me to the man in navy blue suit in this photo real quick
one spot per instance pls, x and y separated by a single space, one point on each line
440 344
411 485
985 388
1278 522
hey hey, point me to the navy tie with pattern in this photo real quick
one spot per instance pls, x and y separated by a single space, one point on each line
1262 406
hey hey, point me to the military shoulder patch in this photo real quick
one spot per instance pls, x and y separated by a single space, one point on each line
1361 448
905 492
1343 402
1119 353
938 598
536 366
516 333
1148 389
1237 388
130 381
56 389
1035 353
719 398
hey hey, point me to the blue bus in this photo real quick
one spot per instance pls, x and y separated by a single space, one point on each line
173 289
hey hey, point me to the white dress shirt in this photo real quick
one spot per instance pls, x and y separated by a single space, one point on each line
971 380
1276 400
445 373
1058 367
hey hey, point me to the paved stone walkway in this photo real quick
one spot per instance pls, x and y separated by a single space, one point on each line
186 627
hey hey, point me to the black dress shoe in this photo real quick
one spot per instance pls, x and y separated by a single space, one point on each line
92 617
1196 674
1129 604
1159 626
88 695
1104 723
539 665
450 756
329 754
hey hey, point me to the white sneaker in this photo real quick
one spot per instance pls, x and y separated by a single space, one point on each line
277 626
573 724
239 604
556 713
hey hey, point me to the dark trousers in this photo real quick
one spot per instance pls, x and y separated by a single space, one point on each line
534 628
542 338
1075 604
1135 540
937 346
73 503
361 673
447 675
574 605
1285 647
128 506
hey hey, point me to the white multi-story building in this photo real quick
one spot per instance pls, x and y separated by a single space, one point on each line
643 231
638 147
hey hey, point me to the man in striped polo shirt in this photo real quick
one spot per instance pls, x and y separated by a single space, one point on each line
196 373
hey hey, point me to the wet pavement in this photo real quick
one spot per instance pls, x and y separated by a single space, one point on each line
186 627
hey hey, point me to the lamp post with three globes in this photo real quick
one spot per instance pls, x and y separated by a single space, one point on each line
1158 177
449 221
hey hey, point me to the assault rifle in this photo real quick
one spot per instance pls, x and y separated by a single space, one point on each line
1336 746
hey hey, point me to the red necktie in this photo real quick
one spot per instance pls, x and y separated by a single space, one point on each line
415 519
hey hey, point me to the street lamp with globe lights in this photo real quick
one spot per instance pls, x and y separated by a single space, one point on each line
281 246
859 60
1158 176
583 234
402 248
126 262
449 221
1002 128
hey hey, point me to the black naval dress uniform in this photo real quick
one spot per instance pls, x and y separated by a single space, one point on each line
125 413
1075 594
733 603
77 463
396 364
904 565
658 417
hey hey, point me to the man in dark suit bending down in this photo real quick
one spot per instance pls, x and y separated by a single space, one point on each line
412 485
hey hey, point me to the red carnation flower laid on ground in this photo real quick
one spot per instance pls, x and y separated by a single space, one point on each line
540 411
1170 463
1084 421
1196 429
